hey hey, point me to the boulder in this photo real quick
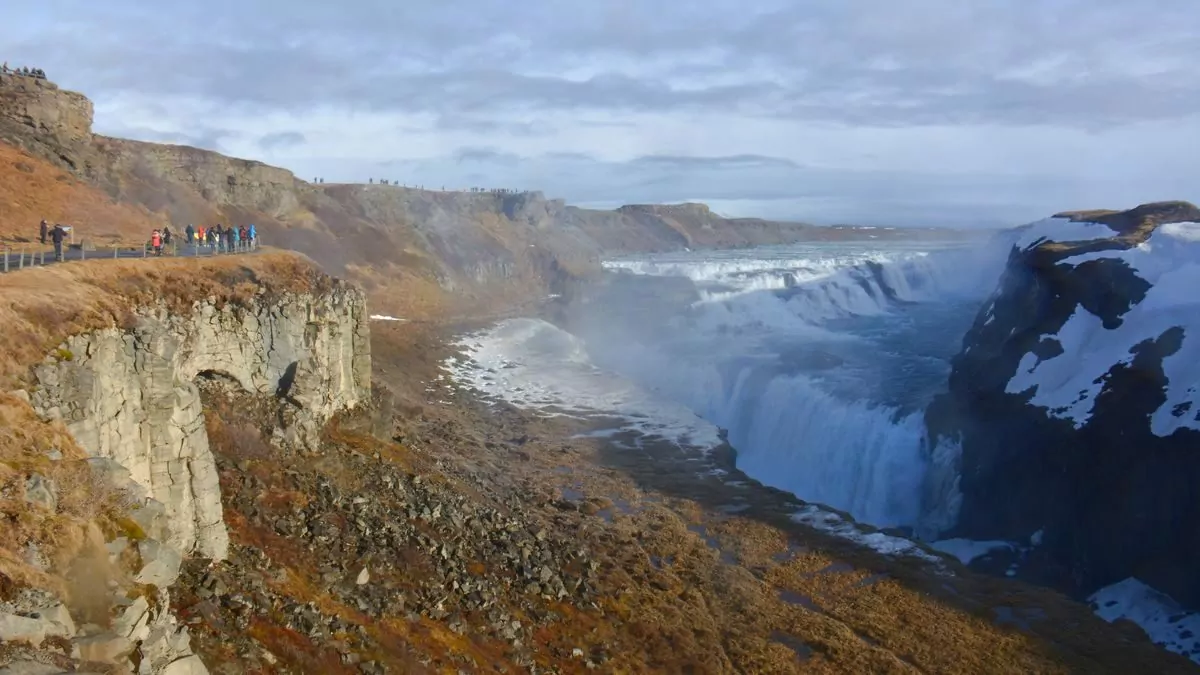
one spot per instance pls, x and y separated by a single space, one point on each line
160 563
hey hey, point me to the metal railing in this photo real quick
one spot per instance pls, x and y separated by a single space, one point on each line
35 255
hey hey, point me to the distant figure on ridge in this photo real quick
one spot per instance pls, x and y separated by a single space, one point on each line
57 235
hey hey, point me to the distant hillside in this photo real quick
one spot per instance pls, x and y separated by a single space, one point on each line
411 248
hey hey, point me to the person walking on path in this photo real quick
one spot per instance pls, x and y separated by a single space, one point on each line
200 240
43 231
156 242
190 234
57 235
252 236
233 239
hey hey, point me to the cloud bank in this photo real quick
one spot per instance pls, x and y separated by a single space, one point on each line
949 112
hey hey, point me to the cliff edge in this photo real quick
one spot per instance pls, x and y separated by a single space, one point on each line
1074 402
108 481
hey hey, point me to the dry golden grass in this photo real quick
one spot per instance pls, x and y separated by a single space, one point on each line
41 307
86 506
32 189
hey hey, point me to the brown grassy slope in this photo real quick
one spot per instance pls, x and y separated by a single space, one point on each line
40 307
32 189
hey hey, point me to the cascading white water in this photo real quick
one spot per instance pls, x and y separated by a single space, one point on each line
818 365
817 359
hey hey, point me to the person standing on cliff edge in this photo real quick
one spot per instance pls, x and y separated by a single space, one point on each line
43 231
57 235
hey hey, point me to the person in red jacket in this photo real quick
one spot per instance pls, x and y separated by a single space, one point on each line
156 242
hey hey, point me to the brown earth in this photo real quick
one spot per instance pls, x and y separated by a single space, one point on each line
32 189
700 575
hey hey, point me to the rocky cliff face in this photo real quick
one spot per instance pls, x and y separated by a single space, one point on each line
130 395
37 115
1075 402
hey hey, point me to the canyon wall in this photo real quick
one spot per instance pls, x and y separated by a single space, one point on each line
127 395
413 250
130 394
1075 403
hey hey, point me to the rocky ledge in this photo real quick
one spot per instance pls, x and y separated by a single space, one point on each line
121 425
1072 407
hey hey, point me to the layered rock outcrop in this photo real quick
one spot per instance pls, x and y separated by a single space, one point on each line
1076 402
130 394
38 114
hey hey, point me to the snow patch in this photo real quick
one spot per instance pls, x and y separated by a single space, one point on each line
1059 230
967 550
827 521
534 365
1067 384
1158 614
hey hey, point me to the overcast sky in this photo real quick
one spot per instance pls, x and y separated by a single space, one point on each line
875 111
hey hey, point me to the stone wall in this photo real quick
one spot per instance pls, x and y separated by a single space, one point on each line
131 395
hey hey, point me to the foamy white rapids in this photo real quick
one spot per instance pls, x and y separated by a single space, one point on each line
792 288
534 365
817 359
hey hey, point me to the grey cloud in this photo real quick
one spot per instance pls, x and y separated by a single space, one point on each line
879 63
205 138
782 190
477 155
480 125
730 162
282 139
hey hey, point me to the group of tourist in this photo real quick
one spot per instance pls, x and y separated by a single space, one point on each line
24 72
220 238
56 234
384 181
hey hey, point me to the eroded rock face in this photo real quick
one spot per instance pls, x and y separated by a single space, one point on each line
131 395
41 107
1073 402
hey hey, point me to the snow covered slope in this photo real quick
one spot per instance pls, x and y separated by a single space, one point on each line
1075 404
1068 382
